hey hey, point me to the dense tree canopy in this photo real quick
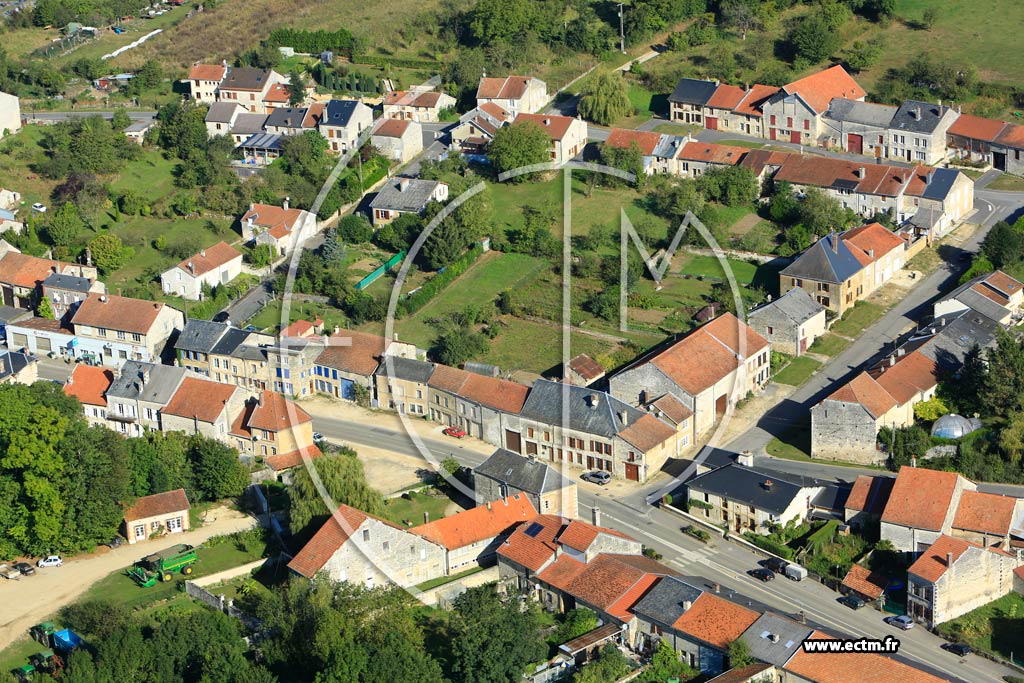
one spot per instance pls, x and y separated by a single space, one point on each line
342 476
605 99
519 145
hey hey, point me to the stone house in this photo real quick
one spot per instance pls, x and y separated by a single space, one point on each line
398 140
401 385
349 359
357 547
159 513
213 266
857 127
472 537
195 343
10 114
841 667
918 132
721 107
18 368
867 500
65 292
695 157
342 123
213 349
954 576
200 406
830 272
288 120
405 195
248 87
594 430
790 323
794 113
275 429
248 126
416 106
973 137
743 499
515 94
476 128
1008 149
479 404
203 81
775 639
138 395
282 227
568 135
505 473
990 519
22 276
996 295
688 99
89 384
582 370
863 583
708 371
221 117
921 507
113 329
658 151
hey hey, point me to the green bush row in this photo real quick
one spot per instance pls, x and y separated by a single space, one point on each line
313 42
771 546
433 287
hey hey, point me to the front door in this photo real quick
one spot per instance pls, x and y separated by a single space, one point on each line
771 133
720 404
999 161
590 462
632 472
794 137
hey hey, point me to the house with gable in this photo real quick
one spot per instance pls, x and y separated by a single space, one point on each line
153 515
481 405
476 128
401 385
113 329
282 227
342 123
275 429
857 127
421 106
836 273
688 99
405 195
204 80
568 135
221 117
995 295
138 396
89 384
658 151
694 157
213 266
22 276
582 370
248 87
921 507
505 473
65 292
398 140
972 137
795 112
867 500
918 132
200 406
790 323
514 94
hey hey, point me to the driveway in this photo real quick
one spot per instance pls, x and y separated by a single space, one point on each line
31 599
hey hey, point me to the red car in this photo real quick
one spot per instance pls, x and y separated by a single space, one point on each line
457 432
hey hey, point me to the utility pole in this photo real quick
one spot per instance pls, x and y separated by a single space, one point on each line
622 32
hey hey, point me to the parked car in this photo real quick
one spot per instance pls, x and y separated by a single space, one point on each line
317 436
851 601
115 542
456 432
50 561
25 568
597 477
776 564
959 649
9 572
762 574
903 621
39 207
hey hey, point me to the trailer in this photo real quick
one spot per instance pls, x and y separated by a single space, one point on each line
66 640
795 572
163 564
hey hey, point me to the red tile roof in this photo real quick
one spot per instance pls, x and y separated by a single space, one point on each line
200 399
673 408
89 384
933 563
863 389
277 93
874 240
329 538
207 72
985 513
157 504
27 271
860 667
609 581
555 126
1003 282
405 98
314 115
117 313
752 102
391 128
270 216
913 374
976 127
878 179
579 535
495 110
352 351
726 97
533 551
499 394
647 433
866 582
508 88
562 572
712 153
920 498
586 367
480 523
820 88
210 258
870 494
744 674
715 620
273 413
623 607
1012 135
301 328
623 138
284 461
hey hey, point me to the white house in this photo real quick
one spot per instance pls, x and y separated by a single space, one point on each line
216 265
279 226
397 139
10 114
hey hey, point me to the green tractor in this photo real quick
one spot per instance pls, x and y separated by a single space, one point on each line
43 633
25 674
162 565
48 662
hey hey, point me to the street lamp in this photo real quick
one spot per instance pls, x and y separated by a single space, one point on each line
622 32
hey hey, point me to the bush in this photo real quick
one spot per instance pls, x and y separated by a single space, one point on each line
699 534
397 62
433 287
768 544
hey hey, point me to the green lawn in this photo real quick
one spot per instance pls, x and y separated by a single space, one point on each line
442 580
412 505
1008 183
16 654
537 347
269 318
798 371
795 444
997 627
148 176
709 266
855 320
829 345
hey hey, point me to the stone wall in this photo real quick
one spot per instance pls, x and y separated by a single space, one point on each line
843 431
386 555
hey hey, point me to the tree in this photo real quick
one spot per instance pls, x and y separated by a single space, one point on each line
147 77
930 16
345 482
355 229
821 213
813 39
45 309
969 393
1003 245
605 99
903 443
120 120
930 410
109 253
216 471
492 641
609 666
730 185
604 304
457 345
739 654
741 15
629 159
863 54
722 62
665 664
700 32
65 225
518 145
296 88
1004 385
575 623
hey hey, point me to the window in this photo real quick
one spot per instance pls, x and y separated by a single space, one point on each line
770 330
366 535
807 124
101 331
386 546
174 524
547 436
529 432
154 526
121 335
773 119
789 122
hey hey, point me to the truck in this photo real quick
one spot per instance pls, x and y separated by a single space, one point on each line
162 565
795 572
9 572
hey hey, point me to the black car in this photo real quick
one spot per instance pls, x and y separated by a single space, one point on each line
115 542
851 601
776 564
762 574
25 568
959 649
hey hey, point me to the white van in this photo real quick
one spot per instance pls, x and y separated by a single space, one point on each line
795 572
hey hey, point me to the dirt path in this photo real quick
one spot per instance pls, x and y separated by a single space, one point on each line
31 599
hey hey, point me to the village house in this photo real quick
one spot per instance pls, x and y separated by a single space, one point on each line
917 132
10 114
348 361
1008 150
22 276
657 150
89 385
342 123
398 140
136 131
203 81
113 329
582 370
695 157
717 106
416 106
65 292
479 404
742 499
471 538
921 507
476 128
954 576
688 99
213 266
18 368
857 127
996 296
248 126
274 429
200 406
971 137
790 323
794 113
505 473
568 135
138 395
248 87
201 340
514 94
9 221
708 371
281 227
286 121
405 195
156 515
863 583
37 336
401 385
278 96
302 329
221 117
867 500
594 430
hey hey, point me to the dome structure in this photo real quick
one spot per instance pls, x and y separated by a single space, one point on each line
954 426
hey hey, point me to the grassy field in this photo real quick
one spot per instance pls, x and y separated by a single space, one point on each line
402 509
269 318
1008 183
863 314
798 371
996 627
537 346
829 344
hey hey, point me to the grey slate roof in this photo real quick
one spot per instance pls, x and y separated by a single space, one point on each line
952 342
747 486
249 124
941 183
200 336
408 369
693 91
245 78
775 651
520 473
544 404
668 146
412 199
10 315
827 260
664 602
71 283
13 362
139 126
286 117
982 304
904 119
220 112
854 111
832 498
163 382
232 339
796 304
338 112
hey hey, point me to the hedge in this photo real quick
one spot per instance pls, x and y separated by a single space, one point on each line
765 543
433 287
383 61
313 42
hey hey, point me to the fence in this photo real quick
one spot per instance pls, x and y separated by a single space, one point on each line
218 602
385 267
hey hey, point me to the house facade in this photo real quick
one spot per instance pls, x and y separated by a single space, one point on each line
248 87
401 385
790 323
138 395
342 123
918 131
211 267
200 406
113 329
423 107
282 227
10 114
399 140
405 195
476 128
89 384
274 429
203 81
796 111
22 275
505 473
481 405
158 514
568 135
514 94
857 127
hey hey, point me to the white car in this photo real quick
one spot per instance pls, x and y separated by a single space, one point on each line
903 621
50 561
317 436
39 207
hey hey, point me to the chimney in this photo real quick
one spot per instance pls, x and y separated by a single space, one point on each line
547 122
595 400
940 106
835 242
892 361
928 178
88 256
595 516
103 298
746 458
767 484
774 637
403 184
145 377
488 505
202 252
949 560
624 416
871 254
191 268
426 517
396 336
917 113
913 461
687 605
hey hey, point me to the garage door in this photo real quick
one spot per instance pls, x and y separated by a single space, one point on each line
720 404
794 137
19 341
711 123
513 442
632 472
43 345
855 143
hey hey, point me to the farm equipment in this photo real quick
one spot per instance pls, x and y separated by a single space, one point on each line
66 640
24 674
47 661
162 565
43 633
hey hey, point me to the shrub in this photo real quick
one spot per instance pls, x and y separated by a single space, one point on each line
768 544
436 284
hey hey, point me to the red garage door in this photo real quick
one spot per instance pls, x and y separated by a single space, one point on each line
794 136
771 133
711 123
632 472
855 143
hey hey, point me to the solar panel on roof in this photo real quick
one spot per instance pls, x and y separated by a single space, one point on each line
534 529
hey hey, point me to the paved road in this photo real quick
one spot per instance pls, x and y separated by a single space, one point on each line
252 303
51 117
